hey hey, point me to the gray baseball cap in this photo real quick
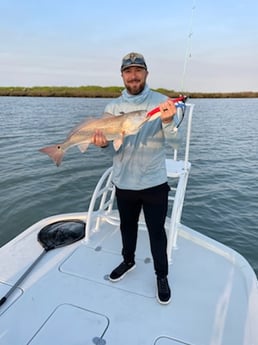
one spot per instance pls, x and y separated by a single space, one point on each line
133 59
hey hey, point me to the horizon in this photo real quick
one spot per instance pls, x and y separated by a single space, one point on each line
123 87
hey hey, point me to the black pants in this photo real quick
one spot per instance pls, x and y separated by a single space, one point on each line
154 202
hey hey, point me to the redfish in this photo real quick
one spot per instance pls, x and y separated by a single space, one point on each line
115 128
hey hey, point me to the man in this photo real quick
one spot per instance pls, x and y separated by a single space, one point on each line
139 171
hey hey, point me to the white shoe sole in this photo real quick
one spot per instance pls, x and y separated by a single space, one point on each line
162 302
122 276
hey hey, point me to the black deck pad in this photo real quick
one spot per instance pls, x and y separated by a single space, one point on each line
61 233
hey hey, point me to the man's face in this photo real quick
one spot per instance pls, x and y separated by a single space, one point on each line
134 79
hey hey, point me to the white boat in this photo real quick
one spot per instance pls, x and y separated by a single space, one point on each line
61 295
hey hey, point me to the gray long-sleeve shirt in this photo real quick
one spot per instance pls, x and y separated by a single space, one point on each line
140 161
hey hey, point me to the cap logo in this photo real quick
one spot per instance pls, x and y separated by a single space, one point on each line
133 57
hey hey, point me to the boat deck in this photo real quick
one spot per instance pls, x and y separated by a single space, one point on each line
67 298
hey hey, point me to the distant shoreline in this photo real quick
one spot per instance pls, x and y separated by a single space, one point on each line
108 92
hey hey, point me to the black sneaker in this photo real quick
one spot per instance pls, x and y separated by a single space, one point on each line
120 271
163 293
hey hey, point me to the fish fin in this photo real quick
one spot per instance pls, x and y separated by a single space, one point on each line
105 115
55 152
118 142
83 147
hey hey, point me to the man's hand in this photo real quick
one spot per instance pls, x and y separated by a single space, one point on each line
99 139
167 110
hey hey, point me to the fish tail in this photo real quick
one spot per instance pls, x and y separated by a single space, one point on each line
55 152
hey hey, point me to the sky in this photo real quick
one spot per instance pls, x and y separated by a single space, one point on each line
194 46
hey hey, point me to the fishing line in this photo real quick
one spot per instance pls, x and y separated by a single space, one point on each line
188 55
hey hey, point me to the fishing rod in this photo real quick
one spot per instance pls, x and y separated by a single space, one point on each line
181 100
179 103
188 53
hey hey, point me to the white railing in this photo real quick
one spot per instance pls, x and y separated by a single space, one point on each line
104 193
179 169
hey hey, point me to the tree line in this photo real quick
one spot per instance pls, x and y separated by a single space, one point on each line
93 91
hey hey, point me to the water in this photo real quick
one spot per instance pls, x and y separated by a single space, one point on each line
222 193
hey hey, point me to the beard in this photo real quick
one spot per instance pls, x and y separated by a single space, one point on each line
134 87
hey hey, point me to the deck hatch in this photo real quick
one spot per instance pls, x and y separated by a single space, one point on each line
69 324
170 341
141 281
